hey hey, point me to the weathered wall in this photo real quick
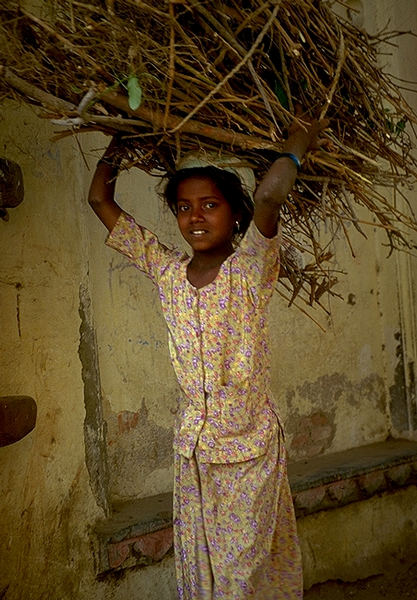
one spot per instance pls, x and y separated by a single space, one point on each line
398 276
359 540
83 334
139 388
54 482
43 478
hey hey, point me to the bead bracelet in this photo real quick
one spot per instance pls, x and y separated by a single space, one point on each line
293 157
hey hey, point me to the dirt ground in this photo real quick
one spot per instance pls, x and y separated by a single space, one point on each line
398 584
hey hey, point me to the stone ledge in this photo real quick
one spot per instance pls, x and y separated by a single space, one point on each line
139 532
136 533
334 480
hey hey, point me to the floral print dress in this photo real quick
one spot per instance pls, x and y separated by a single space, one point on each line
234 525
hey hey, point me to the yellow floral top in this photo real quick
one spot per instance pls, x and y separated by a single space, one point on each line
217 341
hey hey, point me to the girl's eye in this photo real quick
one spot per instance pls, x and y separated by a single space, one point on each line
183 207
210 204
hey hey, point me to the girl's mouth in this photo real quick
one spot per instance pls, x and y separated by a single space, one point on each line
198 232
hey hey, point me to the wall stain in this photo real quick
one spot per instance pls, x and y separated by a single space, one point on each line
19 328
137 446
398 390
18 286
351 299
412 393
3 592
313 433
401 412
94 423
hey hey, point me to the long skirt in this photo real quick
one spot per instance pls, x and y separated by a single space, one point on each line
234 529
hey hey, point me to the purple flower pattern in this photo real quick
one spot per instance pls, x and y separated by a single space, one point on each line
235 534
239 528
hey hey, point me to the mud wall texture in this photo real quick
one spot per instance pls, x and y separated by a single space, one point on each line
82 333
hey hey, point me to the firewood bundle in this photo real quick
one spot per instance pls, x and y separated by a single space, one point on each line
226 77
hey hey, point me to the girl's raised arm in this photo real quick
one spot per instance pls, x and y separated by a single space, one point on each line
101 194
274 188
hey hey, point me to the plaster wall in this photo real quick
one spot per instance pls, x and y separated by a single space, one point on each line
398 277
47 504
367 535
82 332
54 482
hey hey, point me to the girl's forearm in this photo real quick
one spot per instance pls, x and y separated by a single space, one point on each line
101 194
281 176
278 182
274 188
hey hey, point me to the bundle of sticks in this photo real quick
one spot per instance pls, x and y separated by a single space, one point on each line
225 77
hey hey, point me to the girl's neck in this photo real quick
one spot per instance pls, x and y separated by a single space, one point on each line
203 268
207 260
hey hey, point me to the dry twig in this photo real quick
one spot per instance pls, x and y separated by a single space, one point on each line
224 76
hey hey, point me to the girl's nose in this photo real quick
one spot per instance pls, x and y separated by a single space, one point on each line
196 214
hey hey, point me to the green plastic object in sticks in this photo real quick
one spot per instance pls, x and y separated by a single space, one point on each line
134 92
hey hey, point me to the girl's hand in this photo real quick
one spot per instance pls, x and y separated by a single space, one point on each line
114 152
304 135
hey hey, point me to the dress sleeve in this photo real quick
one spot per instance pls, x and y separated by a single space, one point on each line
259 258
141 246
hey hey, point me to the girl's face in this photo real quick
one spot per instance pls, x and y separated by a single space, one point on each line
204 216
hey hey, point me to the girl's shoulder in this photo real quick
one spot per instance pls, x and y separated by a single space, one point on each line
257 262
254 242
142 246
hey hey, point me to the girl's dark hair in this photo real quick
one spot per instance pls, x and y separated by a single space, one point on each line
226 182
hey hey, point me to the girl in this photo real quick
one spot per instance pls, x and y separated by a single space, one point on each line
234 526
